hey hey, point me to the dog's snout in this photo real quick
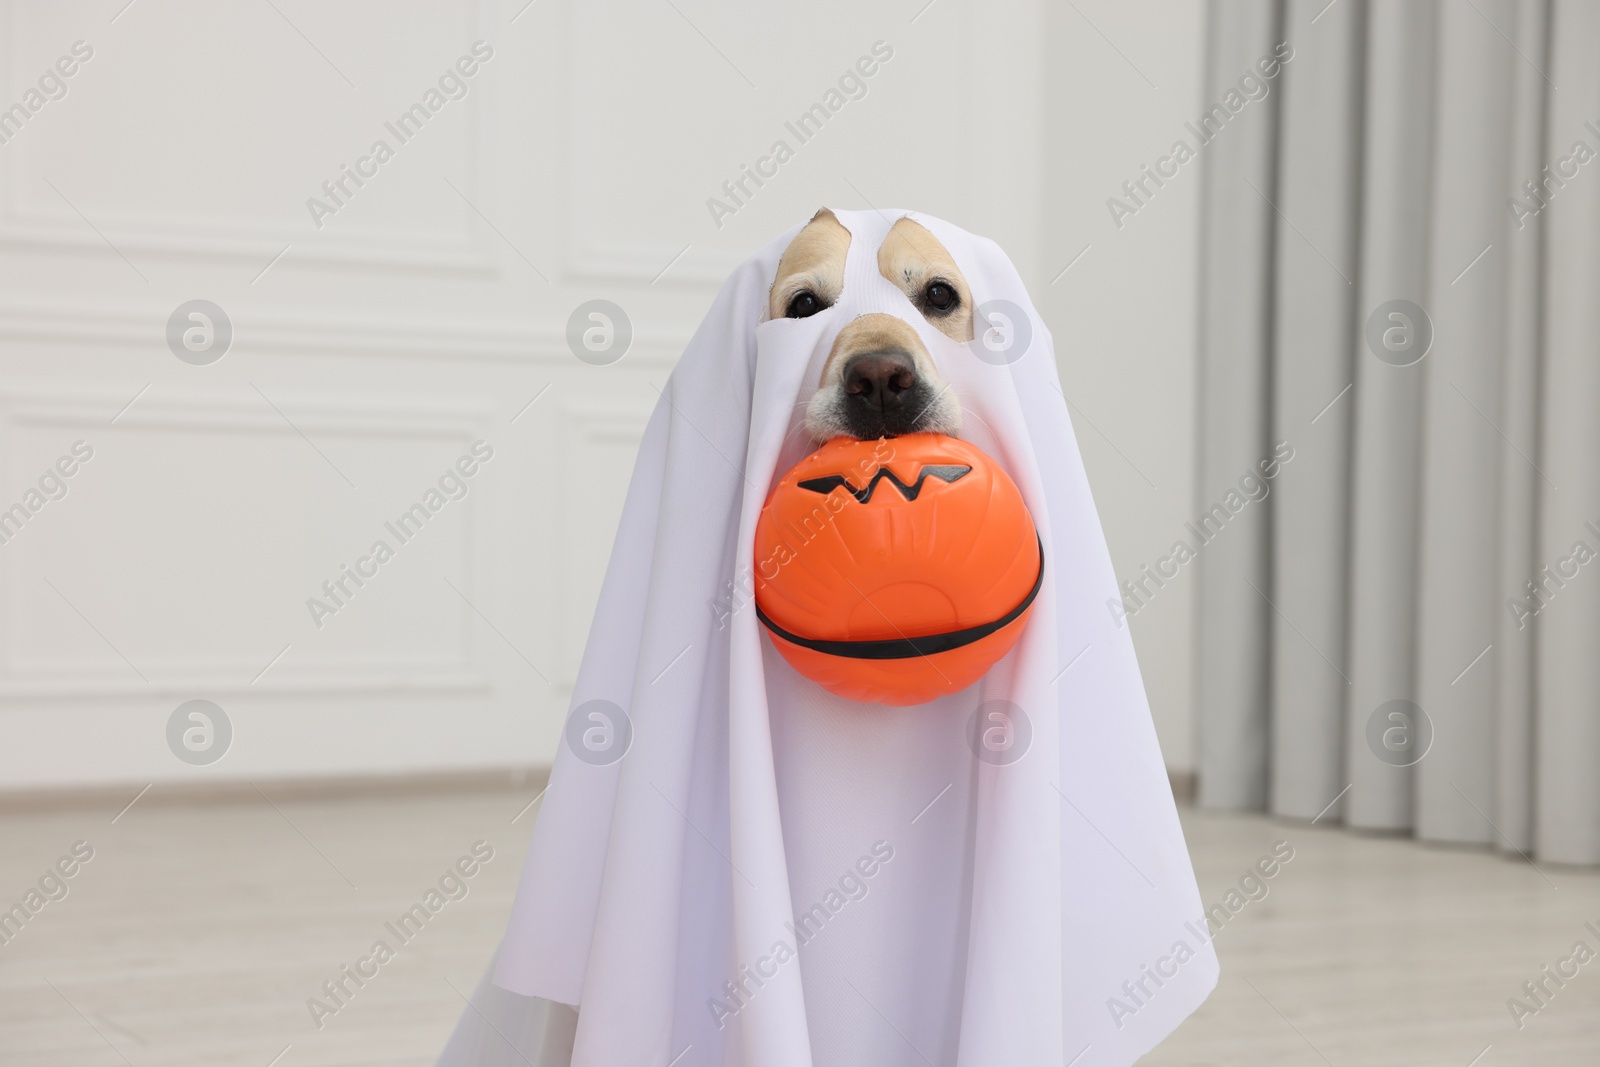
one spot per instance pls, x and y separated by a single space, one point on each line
880 378
880 381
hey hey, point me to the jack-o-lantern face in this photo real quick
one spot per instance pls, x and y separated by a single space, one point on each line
944 472
898 570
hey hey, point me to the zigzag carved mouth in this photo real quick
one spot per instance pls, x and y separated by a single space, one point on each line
910 492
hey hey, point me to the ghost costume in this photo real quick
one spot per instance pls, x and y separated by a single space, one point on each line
762 874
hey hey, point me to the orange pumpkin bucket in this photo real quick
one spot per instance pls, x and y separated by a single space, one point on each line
896 571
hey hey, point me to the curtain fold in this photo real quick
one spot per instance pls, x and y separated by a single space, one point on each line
1238 227
1458 578
1567 629
1519 412
1312 368
1396 173
1403 635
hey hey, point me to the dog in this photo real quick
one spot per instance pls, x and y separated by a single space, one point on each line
878 379
676 880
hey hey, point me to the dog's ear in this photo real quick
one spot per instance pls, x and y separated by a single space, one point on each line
824 212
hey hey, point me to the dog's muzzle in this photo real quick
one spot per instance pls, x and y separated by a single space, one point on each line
884 395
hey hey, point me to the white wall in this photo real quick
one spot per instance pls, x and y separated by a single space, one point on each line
430 309
1124 315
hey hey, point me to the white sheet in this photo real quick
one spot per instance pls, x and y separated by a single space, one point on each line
1029 910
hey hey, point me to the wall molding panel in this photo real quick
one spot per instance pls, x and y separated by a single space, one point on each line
202 415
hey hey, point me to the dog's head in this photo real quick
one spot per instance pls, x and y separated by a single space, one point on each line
879 379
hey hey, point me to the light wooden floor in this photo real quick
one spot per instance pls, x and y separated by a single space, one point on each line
195 936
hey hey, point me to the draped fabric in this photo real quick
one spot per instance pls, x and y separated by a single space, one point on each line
717 890
1401 256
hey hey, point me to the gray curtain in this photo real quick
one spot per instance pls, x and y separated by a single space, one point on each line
1404 635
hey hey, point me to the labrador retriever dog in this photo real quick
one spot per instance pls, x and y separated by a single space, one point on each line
878 380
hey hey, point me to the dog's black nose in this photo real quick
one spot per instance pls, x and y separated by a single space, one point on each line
880 379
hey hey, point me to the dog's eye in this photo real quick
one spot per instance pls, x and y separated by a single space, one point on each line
941 297
803 305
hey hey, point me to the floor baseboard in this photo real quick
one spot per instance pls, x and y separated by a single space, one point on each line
1185 785
235 791
344 787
